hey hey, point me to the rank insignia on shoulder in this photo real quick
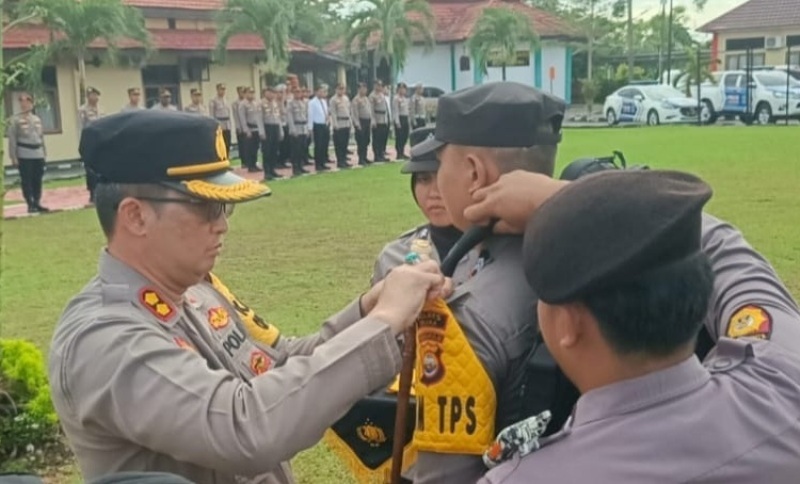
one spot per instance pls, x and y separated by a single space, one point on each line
218 317
260 362
157 305
750 321
182 343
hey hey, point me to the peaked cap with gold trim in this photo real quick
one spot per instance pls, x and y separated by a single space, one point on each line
176 149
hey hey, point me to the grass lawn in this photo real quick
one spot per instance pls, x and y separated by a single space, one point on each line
304 253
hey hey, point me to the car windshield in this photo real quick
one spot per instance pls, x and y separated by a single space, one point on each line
663 92
775 79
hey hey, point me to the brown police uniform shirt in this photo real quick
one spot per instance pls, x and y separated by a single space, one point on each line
734 418
380 108
340 112
220 110
250 114
196 109
89 114
362 109
26 137
417 108
141 384
297 117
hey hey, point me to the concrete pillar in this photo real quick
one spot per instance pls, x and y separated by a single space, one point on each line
341 75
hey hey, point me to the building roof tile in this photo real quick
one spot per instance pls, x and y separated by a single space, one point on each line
757 14
163 39
455 19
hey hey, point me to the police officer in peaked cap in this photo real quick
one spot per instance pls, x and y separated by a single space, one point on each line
157 366
629 269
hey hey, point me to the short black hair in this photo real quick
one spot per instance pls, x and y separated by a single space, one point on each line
658 312
108 196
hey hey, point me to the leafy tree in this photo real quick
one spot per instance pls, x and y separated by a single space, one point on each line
75 25
498 34
393 26
271 20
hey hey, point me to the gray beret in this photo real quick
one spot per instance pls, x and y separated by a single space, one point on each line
609 227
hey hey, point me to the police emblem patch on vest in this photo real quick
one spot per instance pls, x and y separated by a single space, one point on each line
157 305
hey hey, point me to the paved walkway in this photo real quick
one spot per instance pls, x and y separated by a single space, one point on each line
77 197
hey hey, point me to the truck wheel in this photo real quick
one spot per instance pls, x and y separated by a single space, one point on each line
763 114
652 118
611 117
707 114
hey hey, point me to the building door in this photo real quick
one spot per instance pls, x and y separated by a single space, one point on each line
155 78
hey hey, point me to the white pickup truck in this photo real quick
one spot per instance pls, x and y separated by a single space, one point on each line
728 96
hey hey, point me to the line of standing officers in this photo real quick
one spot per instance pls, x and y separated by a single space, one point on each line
282 125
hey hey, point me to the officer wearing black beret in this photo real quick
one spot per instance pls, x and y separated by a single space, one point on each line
482 132
628 269
157 366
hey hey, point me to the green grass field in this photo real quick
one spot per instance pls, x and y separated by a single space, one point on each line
305 252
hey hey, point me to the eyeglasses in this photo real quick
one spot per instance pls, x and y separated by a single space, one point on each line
212 211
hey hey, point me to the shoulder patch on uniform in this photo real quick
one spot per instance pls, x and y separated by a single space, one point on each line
260 362
218 317
750 320
156 304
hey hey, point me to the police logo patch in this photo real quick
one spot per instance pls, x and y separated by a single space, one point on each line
259 362
430 336
157 305
182 343
218 317
751 321
370 433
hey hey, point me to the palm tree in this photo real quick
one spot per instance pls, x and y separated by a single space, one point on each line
75 25
394 26
696 71
271 20
497 35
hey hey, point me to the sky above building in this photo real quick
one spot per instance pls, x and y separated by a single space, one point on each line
712 10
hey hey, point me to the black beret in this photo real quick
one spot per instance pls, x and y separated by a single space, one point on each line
421 162
180 150
131 477
497 115
609 227
194 91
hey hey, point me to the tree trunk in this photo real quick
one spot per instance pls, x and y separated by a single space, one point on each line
82 78
504 71
630 40
590 50
2 153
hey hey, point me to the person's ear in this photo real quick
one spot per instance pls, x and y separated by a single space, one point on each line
571 325
477 171
133 216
